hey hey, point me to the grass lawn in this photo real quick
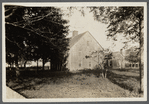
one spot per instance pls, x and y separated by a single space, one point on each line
83 84
127 79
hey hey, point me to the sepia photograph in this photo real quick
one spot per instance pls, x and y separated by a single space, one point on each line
66 52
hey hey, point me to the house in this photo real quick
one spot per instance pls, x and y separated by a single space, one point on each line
83 53
119 59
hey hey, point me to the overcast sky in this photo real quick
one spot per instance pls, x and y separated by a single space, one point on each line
96 28
87 23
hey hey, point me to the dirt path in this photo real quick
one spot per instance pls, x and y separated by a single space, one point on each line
78 86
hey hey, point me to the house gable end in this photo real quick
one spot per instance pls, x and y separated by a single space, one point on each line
76 39
95 40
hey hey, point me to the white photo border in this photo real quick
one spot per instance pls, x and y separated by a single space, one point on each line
144 4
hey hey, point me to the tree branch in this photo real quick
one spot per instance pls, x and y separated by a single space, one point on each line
14 42
10 13
34 31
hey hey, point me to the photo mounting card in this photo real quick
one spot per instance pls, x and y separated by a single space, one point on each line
74 52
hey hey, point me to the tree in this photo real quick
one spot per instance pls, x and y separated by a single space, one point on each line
102 55
127 21
133 55
35 32
132 58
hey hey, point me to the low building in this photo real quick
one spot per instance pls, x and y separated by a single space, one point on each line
119 60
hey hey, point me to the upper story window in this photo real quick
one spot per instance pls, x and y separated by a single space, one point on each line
89 64
80 64
87 43
80 53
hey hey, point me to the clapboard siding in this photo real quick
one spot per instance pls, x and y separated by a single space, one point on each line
77 55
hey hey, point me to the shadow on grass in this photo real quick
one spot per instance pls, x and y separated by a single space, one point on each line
89 72
32 80
130 83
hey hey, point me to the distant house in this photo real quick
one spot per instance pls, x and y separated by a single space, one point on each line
34 63
119 60
81 46
40 63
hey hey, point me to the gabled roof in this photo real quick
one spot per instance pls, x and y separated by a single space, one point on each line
75 39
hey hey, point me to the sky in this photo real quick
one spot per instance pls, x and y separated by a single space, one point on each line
87 23
97 29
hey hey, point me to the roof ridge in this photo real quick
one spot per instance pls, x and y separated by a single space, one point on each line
75 39
119 53
95 39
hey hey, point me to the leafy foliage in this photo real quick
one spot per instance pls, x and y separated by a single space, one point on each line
121 20
35 32
127 21
132 58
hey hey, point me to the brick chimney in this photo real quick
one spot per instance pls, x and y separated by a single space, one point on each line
75 33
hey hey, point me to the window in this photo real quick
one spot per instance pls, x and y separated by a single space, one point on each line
87 43
133 65
136 65
80 53
80 64
129 65
110 63
80 58
89 64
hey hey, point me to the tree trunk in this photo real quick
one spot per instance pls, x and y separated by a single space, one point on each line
60 66
37 67
140 65
57 65
43 62
51 64
25 64
17 68
140 75
10 65
54 65
16 61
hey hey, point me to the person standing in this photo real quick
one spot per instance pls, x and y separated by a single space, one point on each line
104 68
